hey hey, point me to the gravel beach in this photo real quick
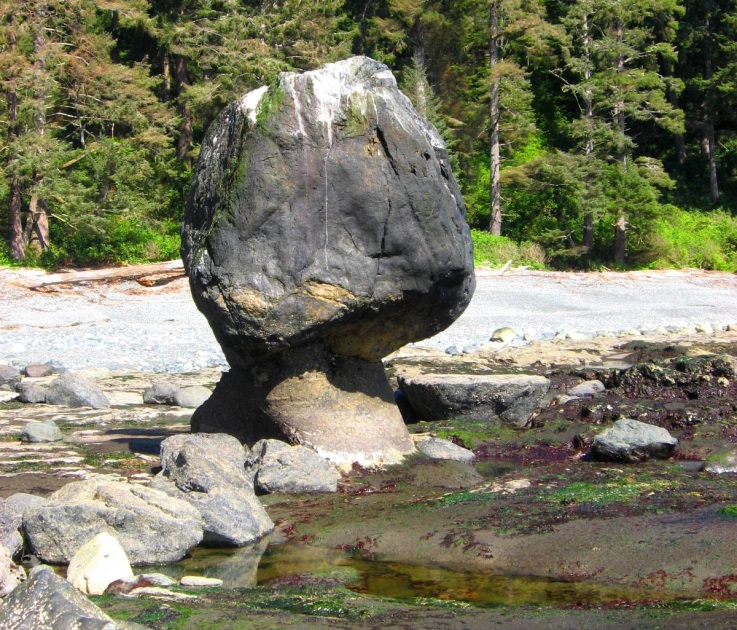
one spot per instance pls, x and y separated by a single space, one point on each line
124 325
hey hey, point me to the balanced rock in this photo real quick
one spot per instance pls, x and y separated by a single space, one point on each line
208 471
507 398
633 441
323 230
46 600
151 526
97 564
291 469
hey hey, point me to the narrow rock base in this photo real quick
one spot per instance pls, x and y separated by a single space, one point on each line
343 408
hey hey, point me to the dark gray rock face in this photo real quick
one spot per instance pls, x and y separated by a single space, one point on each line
323 216
507 398
151 526
208 471
323 209
291 469
46 600
633 441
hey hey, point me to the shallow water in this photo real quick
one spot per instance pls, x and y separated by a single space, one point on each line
294 563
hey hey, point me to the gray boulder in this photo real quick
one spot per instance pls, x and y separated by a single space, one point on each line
633 441
38 370
46 600
11 575
68 390
44 431
31 392
192 397
151 526
507 398
10 524
291 469
587 389
208 471
9 377
323 217
22 501
437 448
721 463
160 393
72 390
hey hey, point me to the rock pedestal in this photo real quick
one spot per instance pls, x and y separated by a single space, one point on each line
323 231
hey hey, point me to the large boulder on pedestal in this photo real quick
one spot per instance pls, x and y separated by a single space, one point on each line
323 231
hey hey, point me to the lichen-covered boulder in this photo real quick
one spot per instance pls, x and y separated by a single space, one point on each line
323 215
208 471
151 526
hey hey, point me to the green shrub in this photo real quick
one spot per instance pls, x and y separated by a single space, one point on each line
683 238
495 251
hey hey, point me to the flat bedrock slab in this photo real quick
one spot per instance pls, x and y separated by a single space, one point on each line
507 398
633 441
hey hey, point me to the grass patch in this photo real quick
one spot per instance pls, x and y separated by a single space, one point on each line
729 510
623 490
495 251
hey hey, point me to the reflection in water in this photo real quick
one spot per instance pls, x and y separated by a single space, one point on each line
236 567
248 566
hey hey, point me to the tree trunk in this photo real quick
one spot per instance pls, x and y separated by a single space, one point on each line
37 225
710 150
495 219
709 139
620 240
15 223
186 135
620 227
588 216
17 240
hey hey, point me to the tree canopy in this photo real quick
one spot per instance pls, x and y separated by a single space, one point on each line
592 128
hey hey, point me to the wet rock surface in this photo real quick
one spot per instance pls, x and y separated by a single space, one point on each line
533 502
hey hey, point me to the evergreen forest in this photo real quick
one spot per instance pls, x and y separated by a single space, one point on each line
584 133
